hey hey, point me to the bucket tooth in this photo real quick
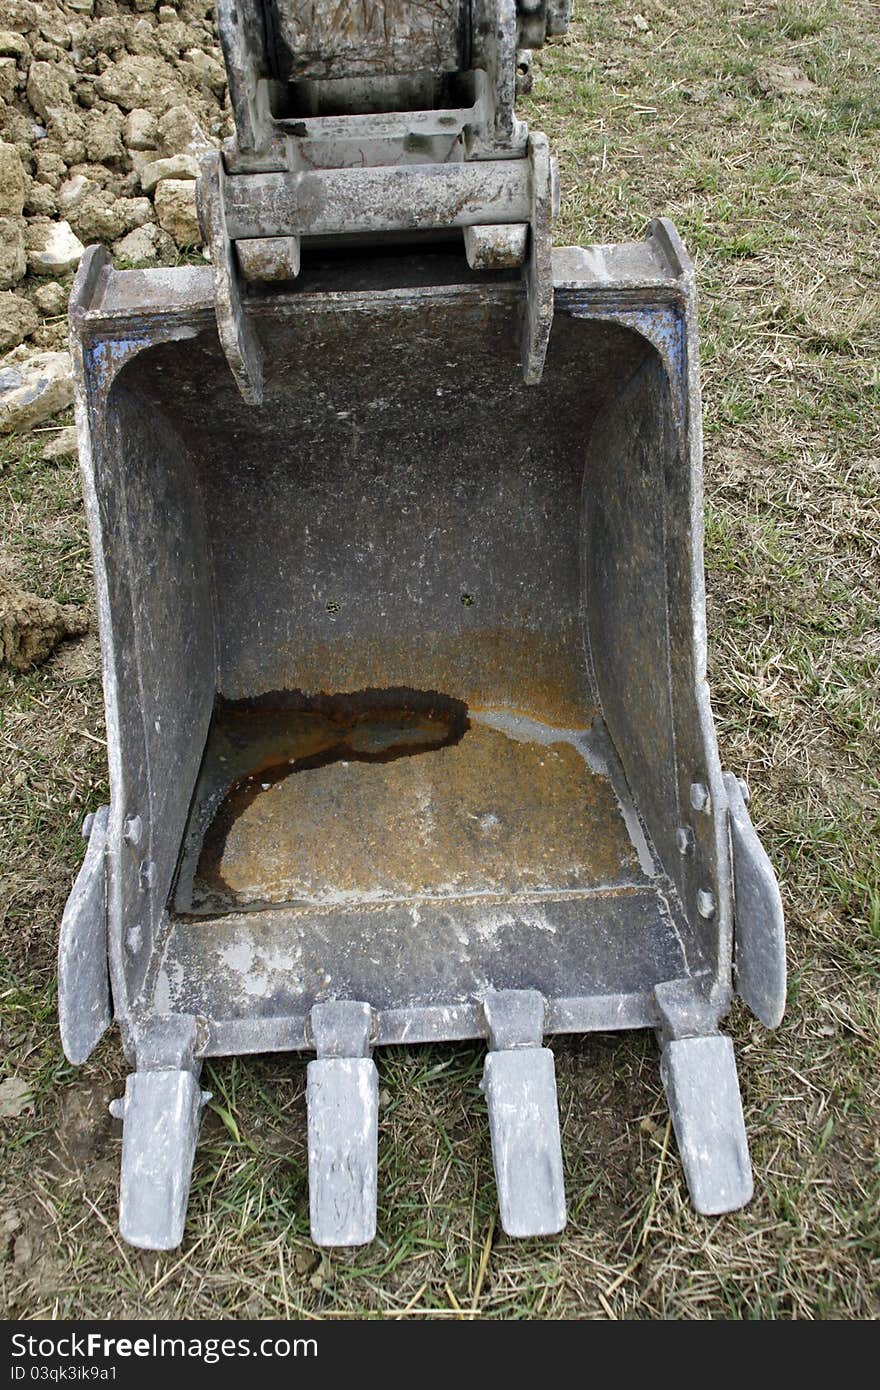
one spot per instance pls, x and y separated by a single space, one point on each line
702 1088
160 1113
519 1082
343 1109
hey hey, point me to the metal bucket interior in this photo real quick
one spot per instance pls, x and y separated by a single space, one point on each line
403 667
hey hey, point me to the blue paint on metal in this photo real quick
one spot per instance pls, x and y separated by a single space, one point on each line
662 325
103 359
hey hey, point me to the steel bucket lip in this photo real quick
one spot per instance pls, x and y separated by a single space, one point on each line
106 302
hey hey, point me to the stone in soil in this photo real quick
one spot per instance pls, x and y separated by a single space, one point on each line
49 167
31 627
12 181
105 35
66 132
175 166
13 256
147 245
101 217
780 80
18 319
63 445
9 80
203 70
41 200
53 249
175 203
104 136
48 89
16 1098
51 298
180 133
72 192
23 15
33 387
141 130
13 45
137 81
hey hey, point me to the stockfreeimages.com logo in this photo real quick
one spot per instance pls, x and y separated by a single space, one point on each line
95 1347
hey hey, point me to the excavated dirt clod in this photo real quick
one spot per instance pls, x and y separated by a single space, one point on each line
31 627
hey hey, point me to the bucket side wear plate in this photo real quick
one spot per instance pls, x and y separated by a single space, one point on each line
84 1007
759 923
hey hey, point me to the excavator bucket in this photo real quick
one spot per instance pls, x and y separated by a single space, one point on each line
396 520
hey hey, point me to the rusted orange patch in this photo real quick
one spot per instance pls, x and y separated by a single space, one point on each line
335 806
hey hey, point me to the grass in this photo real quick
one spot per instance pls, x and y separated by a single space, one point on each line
777 199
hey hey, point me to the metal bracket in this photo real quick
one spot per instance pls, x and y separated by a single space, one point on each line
686 1009
759 924
538 318
237 335
367 173
342 1096
84 1006
171 1041
501 246
519 1082
493 126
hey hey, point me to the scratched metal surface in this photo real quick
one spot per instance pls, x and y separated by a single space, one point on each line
400 511
407 518
424 966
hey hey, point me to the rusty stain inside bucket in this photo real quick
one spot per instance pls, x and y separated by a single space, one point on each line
285 732
385 794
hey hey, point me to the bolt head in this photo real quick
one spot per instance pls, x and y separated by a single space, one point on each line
147 875
87 825
700 799
685 839
706 903
744 789
132 830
